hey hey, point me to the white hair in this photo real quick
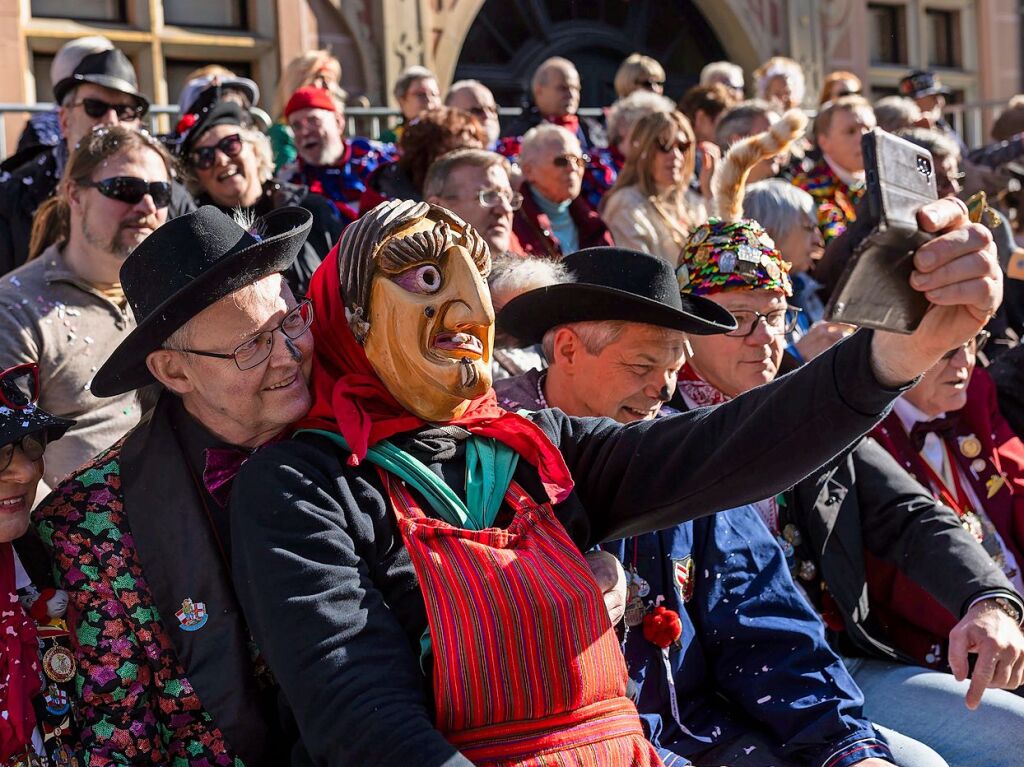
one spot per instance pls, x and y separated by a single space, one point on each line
513 275
721 72
597 335
627 111
779 207
539 137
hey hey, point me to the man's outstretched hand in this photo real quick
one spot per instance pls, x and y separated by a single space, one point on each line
959 273
999 644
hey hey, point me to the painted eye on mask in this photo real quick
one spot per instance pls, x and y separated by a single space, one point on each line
425 278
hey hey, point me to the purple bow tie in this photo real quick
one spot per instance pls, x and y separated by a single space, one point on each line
222 465
942 427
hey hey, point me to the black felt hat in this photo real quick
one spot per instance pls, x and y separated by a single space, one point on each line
209 113
919 84
110 68
186 265
613 284
19 415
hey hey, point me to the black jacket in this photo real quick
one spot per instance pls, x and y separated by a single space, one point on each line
592 134
26 187
323 233
331 595
864 502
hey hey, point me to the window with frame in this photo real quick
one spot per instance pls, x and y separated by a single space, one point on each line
216 14
887 33
81 10
943 38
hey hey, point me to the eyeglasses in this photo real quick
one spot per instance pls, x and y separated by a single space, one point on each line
19 386
491 198
779 322
131 190
99 108
682 146
204 157
973 346
482 113
32 445
257 349
577 161
650 84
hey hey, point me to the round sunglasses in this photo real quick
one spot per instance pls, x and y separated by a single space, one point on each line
204 157
32 445
131 190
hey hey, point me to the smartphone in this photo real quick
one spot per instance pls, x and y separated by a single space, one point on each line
875 290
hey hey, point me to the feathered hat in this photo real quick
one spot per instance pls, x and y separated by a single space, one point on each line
730 252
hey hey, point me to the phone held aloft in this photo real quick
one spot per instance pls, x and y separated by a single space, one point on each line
875 290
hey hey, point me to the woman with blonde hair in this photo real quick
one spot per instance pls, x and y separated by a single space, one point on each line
651 208
781 80
639 72
317 68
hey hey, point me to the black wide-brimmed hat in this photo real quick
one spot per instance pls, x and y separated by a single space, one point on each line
186 265
19 415
613 284
110 69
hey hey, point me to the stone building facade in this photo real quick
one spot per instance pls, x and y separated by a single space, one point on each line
975 44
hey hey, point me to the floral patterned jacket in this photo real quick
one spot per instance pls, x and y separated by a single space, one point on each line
836 201
165 671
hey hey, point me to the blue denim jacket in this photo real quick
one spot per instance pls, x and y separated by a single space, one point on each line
752 651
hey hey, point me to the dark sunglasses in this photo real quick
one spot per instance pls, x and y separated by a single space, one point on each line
973 346
19 386
650 84
131 190
682 146
203 158
99 107
32 445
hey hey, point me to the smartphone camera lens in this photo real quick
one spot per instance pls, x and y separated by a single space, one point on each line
924 166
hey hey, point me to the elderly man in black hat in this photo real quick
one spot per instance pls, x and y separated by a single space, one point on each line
101 90
928 92
166 669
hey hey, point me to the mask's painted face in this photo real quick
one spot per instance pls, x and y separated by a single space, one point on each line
431 322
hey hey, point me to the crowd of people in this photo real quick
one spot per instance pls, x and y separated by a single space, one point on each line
514 443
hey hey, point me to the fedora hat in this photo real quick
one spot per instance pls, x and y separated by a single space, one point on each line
110 69
186 265
612 284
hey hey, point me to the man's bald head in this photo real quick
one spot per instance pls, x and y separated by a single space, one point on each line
556 87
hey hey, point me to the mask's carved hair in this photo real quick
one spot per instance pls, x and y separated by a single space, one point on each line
369 244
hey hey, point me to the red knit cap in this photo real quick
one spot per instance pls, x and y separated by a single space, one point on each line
309 97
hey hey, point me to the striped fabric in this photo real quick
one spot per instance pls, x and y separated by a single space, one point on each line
527 669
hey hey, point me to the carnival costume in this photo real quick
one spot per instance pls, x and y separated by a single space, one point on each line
346 551
167 672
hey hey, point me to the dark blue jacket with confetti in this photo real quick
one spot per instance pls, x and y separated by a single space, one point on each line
752 651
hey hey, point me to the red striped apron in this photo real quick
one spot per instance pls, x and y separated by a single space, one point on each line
527 668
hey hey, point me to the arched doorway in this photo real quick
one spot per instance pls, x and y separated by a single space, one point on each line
509 38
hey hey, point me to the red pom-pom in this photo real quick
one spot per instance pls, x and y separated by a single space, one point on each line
186 122
38 610
662 627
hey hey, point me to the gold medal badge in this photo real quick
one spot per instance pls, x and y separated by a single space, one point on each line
970 446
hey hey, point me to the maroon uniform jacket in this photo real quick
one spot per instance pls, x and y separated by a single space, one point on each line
914 622
532 227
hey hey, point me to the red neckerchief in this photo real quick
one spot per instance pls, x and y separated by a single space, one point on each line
349 398
570 122
697 390
19 664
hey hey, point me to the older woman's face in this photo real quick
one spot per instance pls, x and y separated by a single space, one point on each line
801 245
422 95
232 180
17 492
780 91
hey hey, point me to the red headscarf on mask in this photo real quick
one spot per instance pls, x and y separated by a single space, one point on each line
349 398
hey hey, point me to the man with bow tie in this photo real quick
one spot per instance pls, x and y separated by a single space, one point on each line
140 538
949 434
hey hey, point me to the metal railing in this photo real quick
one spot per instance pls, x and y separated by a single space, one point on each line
361 121
967 119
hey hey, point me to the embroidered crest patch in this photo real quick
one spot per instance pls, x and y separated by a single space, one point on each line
192 616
